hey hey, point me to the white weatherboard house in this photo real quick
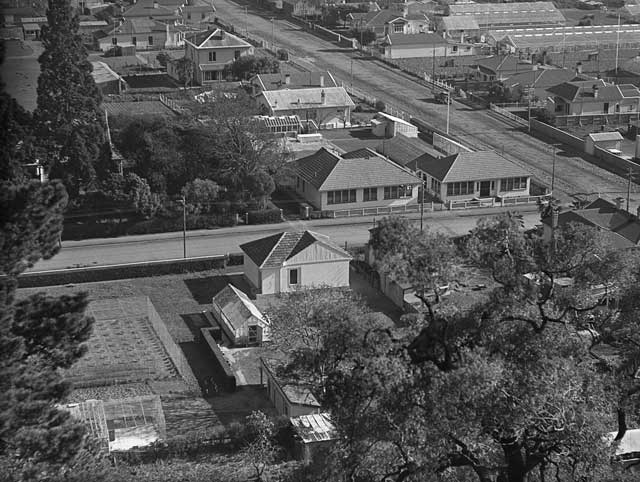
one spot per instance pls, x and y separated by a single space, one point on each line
287 261
239 318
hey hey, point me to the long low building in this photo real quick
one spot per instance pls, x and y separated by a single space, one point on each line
556 39
520 14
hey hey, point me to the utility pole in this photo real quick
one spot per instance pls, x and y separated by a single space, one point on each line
629 188
184 226
246 22
351 73
448 108
424 182
529 106
553 169
617 48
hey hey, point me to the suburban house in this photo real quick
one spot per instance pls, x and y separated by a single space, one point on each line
385 125
240 319
210 52
290 397
472 175
514 15
604 140
592 97
533 84
198 14
402 149
414 23
375 21
500 67
327 107
312 432
401 46
358 179
289 261
167 10
294 80
459 28
622 228
302 8
142 34
89 27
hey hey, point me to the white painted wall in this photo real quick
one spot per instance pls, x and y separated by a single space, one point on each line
251 271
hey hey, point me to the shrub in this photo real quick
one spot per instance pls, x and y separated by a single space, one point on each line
380 106
267 216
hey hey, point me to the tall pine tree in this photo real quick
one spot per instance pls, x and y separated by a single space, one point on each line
39 335
68 102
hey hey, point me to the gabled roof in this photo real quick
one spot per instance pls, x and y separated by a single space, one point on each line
357 169
379 18
414 39
520 13
146 8
297 80
287 99
462 22
215 38
503 63
580 90
540 78
273 251
237 307
402 149
470 166
140 26
622 227
102 73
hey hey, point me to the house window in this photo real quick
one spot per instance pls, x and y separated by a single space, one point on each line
294 276
212 56
370 194
134 41
398 28
236 54
253 334
114 40
341 197
397 192
514 184
455 48
435 185
150 39
460 188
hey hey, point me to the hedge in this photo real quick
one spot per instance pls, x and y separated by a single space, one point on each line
267 216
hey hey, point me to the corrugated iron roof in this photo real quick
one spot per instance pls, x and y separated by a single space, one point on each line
470 166
315 427
606 136
287 99
361 168
237 307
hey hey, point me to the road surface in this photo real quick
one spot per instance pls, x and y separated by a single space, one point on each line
153 247
478 128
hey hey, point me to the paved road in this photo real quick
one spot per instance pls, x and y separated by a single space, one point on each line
132 249
479 128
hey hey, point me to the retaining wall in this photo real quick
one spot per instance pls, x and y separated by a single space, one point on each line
557 134
229 375
612 162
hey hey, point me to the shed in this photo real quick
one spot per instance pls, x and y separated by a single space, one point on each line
385 125
239 318
312 432
604 140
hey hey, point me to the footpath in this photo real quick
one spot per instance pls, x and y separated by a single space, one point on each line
294 225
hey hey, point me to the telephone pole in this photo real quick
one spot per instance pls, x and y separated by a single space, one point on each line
183 200
629 188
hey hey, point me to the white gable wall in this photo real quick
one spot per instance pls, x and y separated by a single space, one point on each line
270 281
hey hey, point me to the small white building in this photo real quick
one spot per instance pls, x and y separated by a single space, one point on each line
239 318
311 433
289 261
605 140
385 125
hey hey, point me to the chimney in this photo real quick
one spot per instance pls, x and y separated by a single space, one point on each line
579 68
619 203
595 91
155 4
287 79
323 98
554 218
321 80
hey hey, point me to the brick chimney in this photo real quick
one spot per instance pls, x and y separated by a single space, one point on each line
155 4
321 80
595 91
554 218
579 68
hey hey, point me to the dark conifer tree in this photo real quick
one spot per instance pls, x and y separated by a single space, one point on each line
68 101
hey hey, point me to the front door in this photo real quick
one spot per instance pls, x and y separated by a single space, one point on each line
485 188
605 108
